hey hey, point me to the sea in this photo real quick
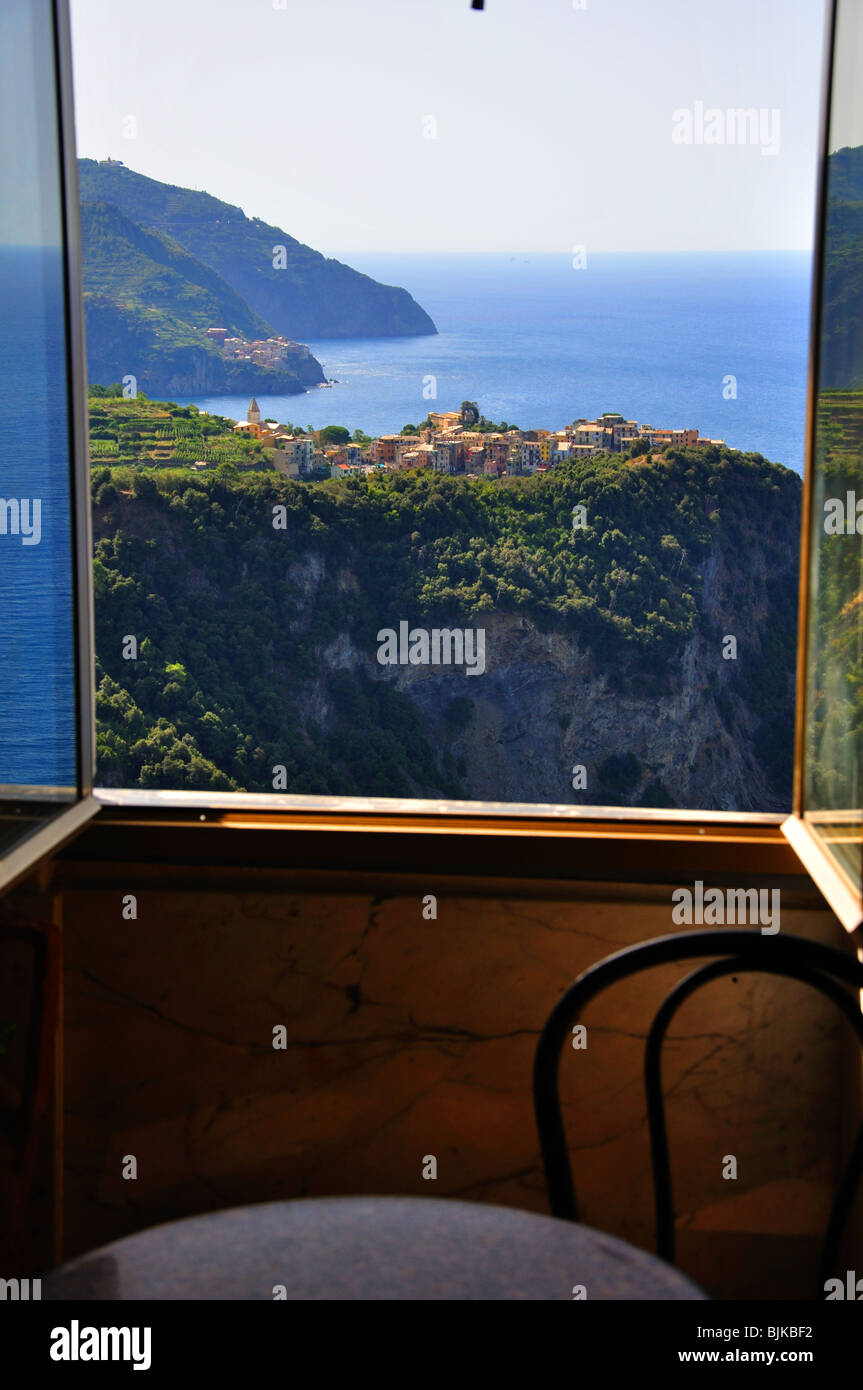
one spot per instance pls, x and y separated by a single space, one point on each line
717 342
37 668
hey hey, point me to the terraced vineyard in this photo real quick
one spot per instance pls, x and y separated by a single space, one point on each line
155 434
840 417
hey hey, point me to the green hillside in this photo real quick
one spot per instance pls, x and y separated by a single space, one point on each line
159 434
148 304
835 695
312 296
132 265
841 341
248 630
846 174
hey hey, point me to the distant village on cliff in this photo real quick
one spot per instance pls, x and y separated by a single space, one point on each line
449 442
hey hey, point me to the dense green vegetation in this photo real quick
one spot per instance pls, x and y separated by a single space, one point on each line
303 294
235 616
156 433
841 363
835 687
148 303
123 260
834 726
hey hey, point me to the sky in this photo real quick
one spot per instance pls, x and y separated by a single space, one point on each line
846 114
422 125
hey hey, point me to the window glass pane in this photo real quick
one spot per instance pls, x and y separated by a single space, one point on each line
38 764
833 755
448 406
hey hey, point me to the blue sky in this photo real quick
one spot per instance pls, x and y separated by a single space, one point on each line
552 125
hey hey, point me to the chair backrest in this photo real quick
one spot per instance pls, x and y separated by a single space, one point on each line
793 957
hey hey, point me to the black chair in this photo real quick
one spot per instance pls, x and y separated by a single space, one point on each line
822 967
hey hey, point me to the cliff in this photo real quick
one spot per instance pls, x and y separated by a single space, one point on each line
612 651
148 304
309 296
841 360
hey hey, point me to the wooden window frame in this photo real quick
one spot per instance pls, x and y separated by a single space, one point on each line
843 895
50 828
178 833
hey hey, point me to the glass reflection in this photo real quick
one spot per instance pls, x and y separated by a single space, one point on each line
37 671
834 699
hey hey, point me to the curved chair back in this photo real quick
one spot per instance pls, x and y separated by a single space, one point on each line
791 957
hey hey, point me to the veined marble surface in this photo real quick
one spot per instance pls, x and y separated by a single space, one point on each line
408 1038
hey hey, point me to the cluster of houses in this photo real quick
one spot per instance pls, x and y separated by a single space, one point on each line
264 352
449 443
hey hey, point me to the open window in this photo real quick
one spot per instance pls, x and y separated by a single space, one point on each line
46 657
826 829
618 599
448 591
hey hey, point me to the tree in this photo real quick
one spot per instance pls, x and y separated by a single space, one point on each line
197 714
144 488
335 434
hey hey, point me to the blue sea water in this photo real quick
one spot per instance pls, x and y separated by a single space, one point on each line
539 343
37 674
530 338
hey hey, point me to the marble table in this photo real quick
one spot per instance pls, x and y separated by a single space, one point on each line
369 1248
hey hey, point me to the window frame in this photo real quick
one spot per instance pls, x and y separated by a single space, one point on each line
572 841
48 836
175 846
668 834
841 893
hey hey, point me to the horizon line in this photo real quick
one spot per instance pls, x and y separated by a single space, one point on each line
432 251
629 251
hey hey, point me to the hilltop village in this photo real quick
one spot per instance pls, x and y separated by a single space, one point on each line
161 434
452 442
261 352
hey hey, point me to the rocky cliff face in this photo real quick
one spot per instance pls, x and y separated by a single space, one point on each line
193 371
543 709
119 341
545 705
148 304
651 664
199 372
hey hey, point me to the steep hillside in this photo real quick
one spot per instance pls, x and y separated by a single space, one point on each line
123 261
841 342
835 696
311 296
846 174
607 647
148 304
